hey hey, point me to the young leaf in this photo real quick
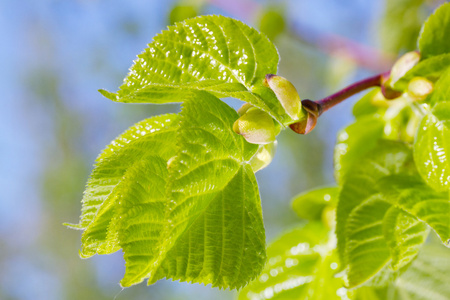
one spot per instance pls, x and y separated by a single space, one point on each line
366 252
364 105
380 210
354 141
388 157
310 205
300 266
208 53
413 196
153 136
214 231
404 241
432 147
435 35
430 68
427 278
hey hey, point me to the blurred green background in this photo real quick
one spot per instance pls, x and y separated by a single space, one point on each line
54 56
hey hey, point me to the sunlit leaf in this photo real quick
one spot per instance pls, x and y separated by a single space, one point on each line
381 208
206 53
364 106
310 205
435 35
153 136
432 147
214 231
426 278
301 265
431 68
354 141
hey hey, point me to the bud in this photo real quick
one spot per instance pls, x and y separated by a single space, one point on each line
403 65
378 100
256 126
246 106
263 157
286 94
419 88
308 122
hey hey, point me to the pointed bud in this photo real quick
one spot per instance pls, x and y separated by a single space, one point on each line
419 88
263 157
286 94
256 126
403 65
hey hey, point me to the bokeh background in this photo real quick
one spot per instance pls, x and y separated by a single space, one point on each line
55 54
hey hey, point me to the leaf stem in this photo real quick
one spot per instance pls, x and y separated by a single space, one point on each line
336 98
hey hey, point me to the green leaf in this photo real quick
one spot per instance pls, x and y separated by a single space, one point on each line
207 53
432 147
404 235
360 183
431 68
354 141
182 12
413 196
428 276
310 205
382 205
214 230
400 24
364 105
435 35
153 136
366 252
142 207
301 265
272 22
442 89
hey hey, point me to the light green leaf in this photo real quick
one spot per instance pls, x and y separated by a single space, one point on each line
153 136
272 22
431 68
413 196
360 183
354 141
442 89
310 205
380 212
364 106
214 231
367 252
427 278
182 12
141 207
432 147
207 53
404 235
301 265
435 35
400 24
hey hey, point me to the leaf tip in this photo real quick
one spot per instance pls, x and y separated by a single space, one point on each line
73 226
108 95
